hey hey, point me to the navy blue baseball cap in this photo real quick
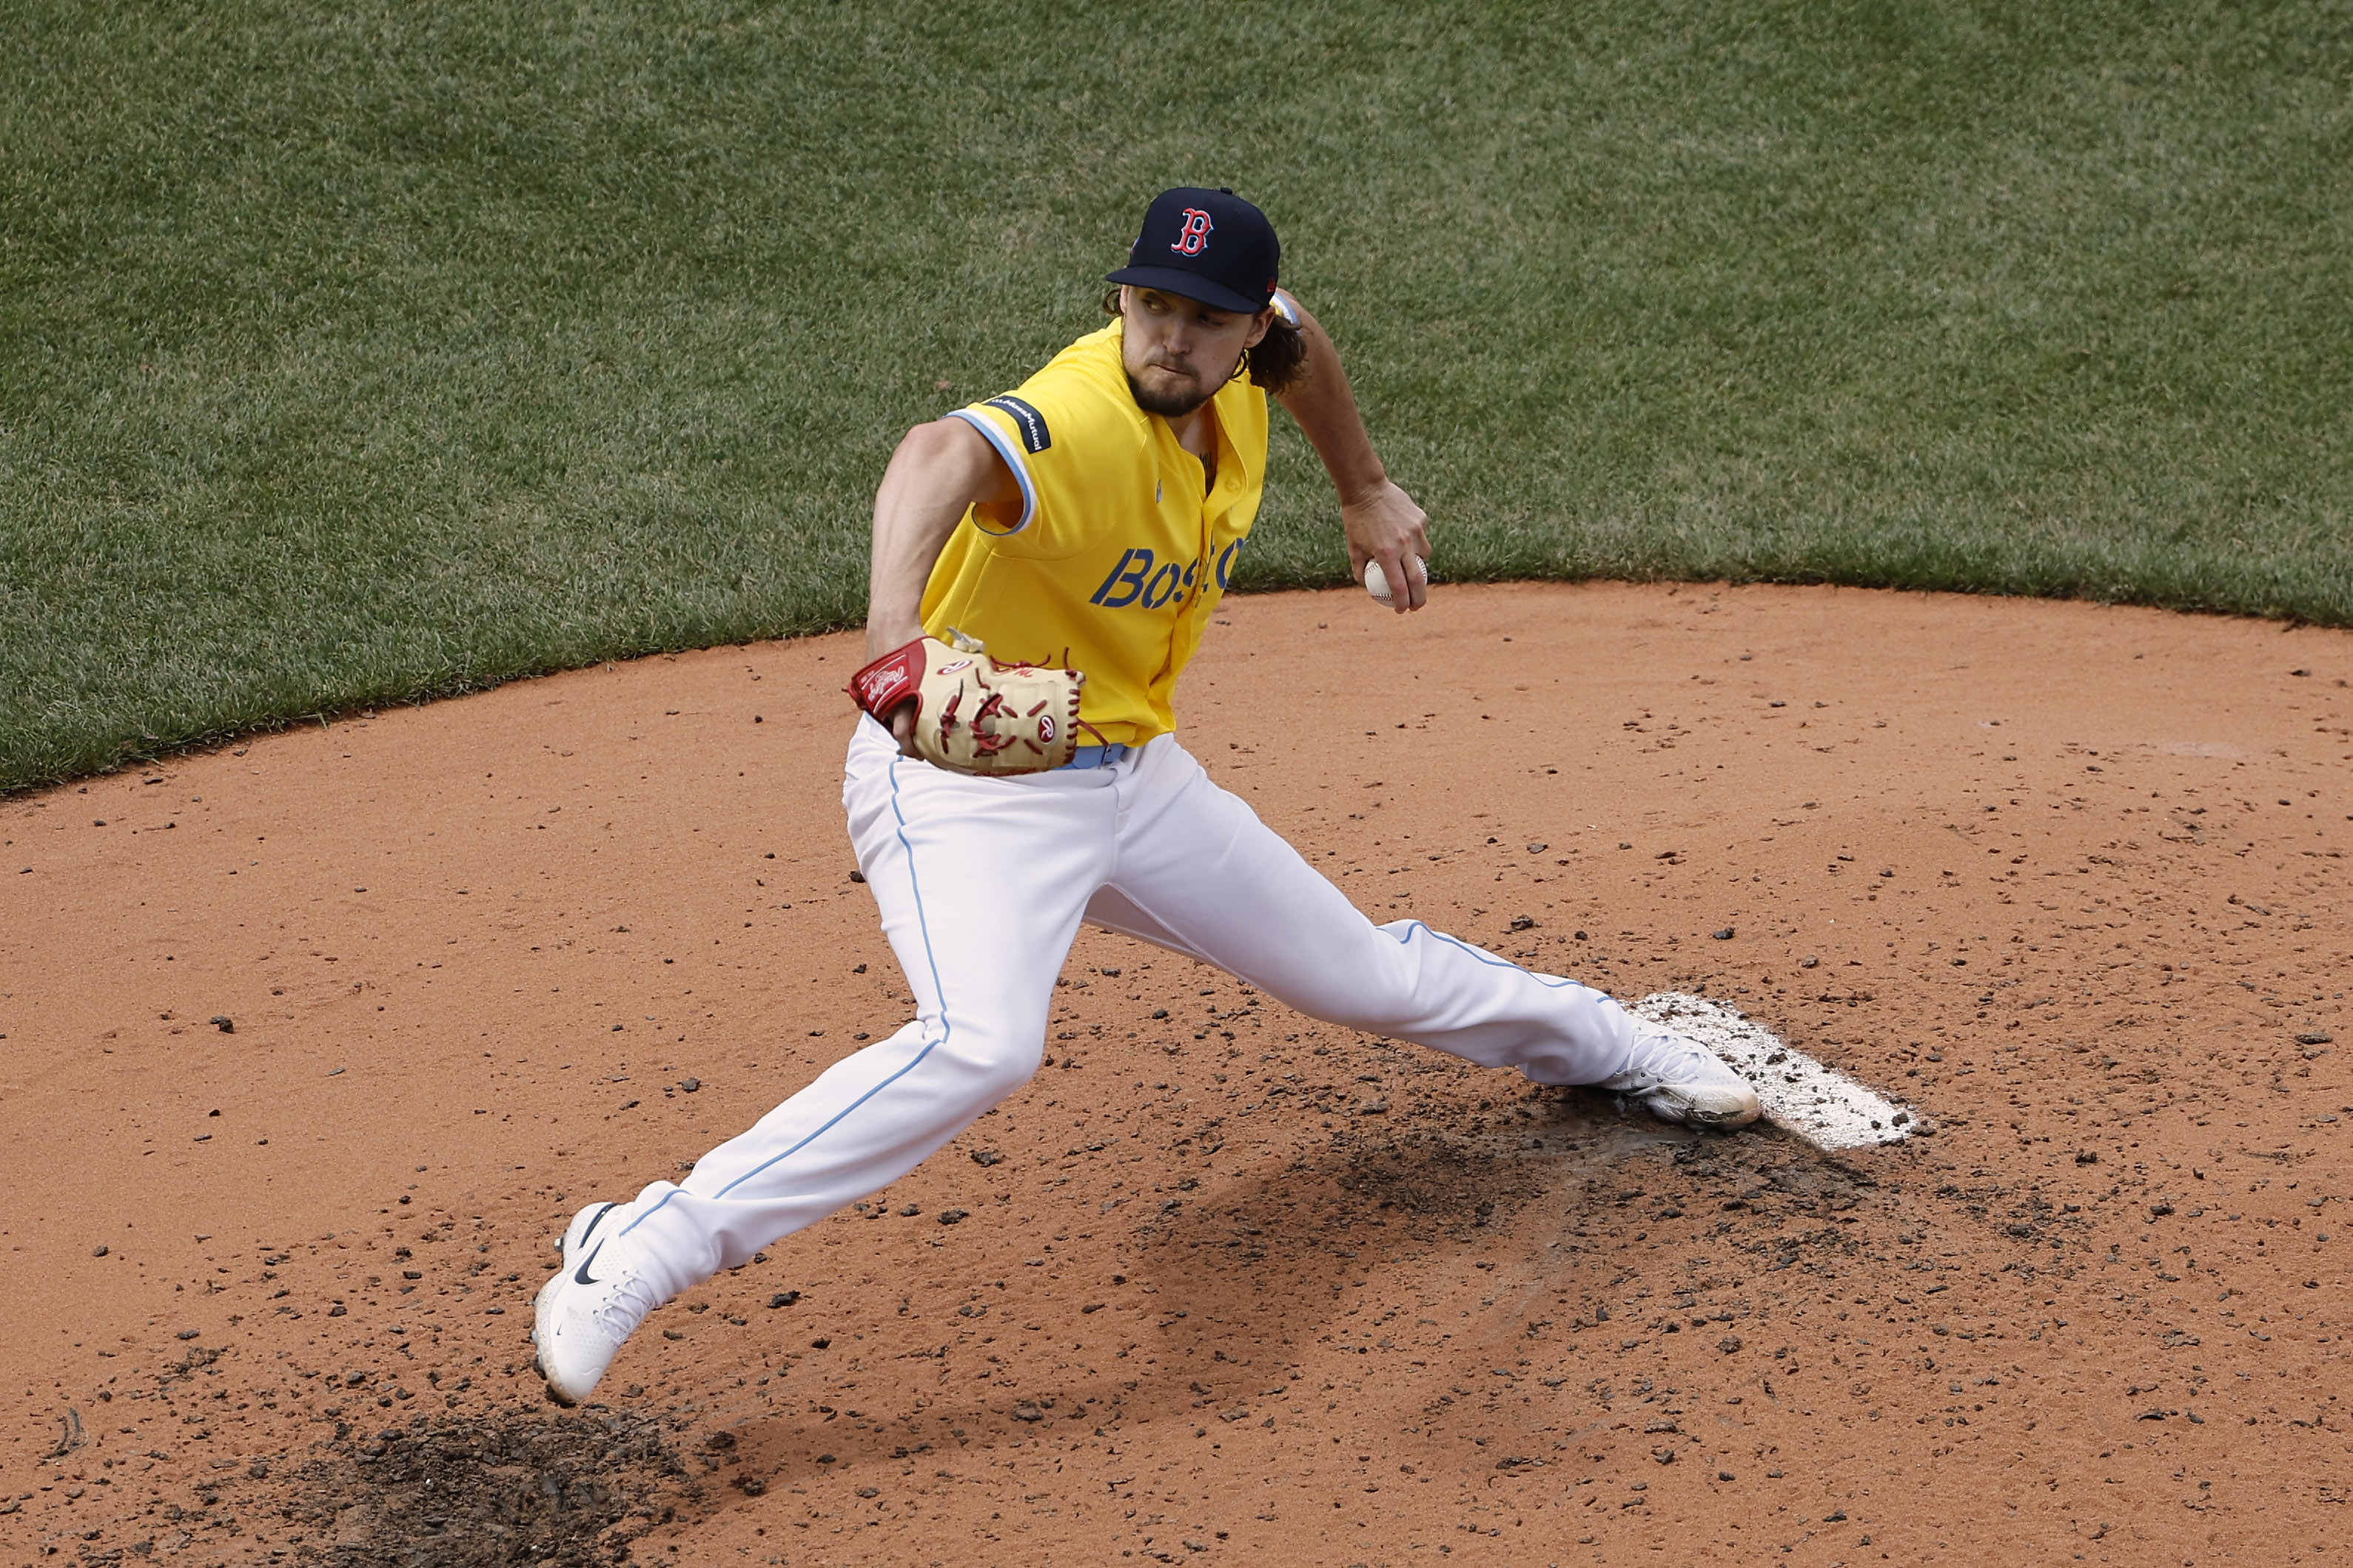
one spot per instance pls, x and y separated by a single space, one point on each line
1203 245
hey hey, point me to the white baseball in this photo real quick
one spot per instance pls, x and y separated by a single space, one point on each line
1376 582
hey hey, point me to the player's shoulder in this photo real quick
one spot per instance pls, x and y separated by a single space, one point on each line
1094 358
1077 401
1089 379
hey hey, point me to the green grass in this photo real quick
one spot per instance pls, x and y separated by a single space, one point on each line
353 355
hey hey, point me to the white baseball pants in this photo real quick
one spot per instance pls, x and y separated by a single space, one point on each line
982 884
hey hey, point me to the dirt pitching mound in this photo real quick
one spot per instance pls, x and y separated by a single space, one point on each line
308 1048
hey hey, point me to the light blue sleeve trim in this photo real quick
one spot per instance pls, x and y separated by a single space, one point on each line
1010 450
1284 307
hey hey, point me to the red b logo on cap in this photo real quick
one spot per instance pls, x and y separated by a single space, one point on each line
1194 237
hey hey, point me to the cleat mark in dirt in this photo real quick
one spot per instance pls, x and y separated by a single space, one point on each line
572 1491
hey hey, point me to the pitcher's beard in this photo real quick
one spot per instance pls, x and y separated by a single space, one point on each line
1169 404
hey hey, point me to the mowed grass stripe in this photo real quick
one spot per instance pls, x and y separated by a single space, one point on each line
358 354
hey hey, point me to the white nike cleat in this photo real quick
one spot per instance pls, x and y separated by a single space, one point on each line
597 1298
1679 1079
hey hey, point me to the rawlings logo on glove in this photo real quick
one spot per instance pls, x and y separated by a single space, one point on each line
973 715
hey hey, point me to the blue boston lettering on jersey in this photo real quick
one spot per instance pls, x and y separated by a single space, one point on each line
1135 580
1127 578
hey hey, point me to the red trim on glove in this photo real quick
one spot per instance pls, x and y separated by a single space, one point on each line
895 679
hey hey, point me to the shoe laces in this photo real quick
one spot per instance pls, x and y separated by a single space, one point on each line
626 1304
1661 1057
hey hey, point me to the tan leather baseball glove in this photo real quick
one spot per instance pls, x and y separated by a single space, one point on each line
973 715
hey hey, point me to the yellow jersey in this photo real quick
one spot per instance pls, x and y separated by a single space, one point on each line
1119 556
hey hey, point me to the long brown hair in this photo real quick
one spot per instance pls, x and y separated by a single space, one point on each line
1275 363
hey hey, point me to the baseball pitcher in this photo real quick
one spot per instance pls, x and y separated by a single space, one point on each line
1044 564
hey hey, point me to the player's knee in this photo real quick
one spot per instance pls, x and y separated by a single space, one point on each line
993 1062
1007 1072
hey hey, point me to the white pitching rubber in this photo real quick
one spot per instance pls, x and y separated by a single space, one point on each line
1799 1095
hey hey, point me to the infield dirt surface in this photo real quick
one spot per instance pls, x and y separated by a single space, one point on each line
1223 1284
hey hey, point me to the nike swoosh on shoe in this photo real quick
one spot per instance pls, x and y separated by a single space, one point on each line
592 1224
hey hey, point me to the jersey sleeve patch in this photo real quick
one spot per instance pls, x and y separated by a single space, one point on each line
1011 451
1035 437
